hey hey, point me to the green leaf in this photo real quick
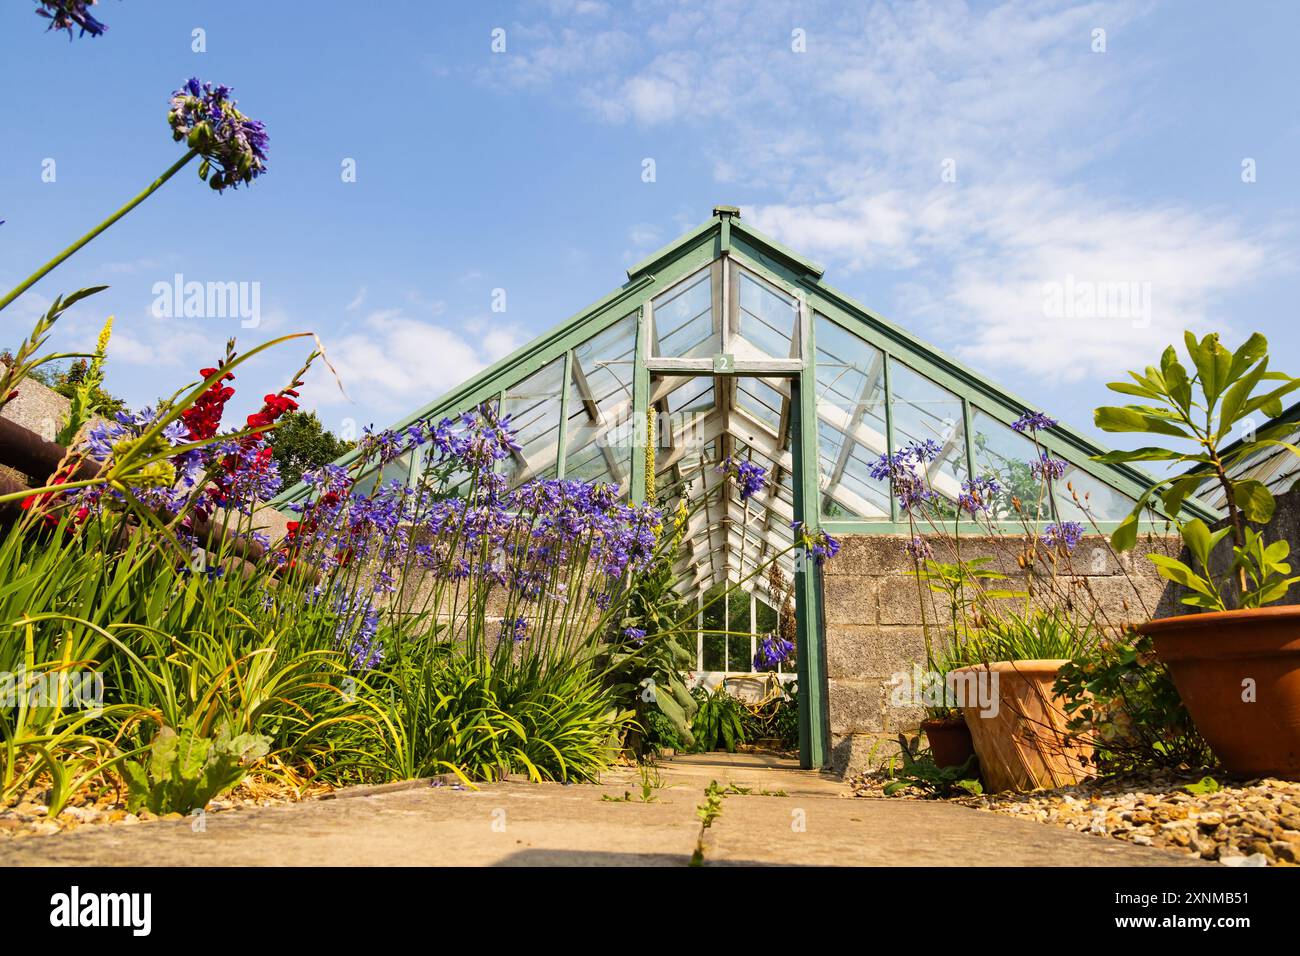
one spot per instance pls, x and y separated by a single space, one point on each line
1149 453
1196 535
1124 537
1129 388
1254 499
1176 381
1179 491
1247 354
1174 570
1213 362
1270 403
1280 444
1235 400
1112 418
1206 785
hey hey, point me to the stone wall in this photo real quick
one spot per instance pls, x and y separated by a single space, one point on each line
874 625
37 408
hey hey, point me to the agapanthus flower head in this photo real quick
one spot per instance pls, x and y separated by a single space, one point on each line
1032 422
977 494
233 146
516 629
750 478
817 545
66 14
1048 467
773 652
919 548
1063 536
906 472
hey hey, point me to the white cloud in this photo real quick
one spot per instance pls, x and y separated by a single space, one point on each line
394 363
643 239
357 300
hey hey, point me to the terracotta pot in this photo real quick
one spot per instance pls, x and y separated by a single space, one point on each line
949 739
1022 742
1219 658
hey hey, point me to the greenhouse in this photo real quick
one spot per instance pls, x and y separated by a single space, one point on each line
724 345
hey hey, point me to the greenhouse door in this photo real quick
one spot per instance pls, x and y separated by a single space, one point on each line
747 412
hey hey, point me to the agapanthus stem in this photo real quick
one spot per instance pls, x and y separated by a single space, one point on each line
44 270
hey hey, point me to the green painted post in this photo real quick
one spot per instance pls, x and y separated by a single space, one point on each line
640 402
814 713
889 435
562 451
966 419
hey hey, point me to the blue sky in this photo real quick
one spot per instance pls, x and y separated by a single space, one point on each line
948 163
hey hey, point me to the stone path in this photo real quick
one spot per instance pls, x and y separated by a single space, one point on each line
522 824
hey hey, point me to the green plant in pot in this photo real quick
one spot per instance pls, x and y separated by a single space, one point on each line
1236 664
962 586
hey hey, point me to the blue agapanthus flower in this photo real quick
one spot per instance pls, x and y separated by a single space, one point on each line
750 478
515 628
233 146
66 14
1066 535
635 634
919 548
817 545
977 494
773 652
1032 422
906 472
1048 467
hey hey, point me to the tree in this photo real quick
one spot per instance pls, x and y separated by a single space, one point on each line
300 443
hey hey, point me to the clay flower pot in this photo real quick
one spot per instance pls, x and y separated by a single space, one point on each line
949 739
1238 673
1022 742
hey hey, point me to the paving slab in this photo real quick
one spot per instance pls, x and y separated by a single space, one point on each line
524 824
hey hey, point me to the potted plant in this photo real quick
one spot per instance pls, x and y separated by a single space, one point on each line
1004 646
1018 722
960 585
1236 663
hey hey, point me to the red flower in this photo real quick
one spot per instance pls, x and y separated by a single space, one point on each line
203 418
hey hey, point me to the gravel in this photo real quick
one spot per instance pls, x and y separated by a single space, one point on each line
30 816
1250 823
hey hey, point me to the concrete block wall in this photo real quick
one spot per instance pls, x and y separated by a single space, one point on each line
874 625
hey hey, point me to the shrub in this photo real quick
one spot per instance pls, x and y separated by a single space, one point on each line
1120 697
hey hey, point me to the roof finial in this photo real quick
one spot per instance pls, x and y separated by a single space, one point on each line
721 211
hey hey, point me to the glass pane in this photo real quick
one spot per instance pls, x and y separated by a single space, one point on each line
766 319
533 407
599 440
715 643
1010 459
399 469
761 401
1099 501
682 406
924 411
684 324
739 656
850 423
